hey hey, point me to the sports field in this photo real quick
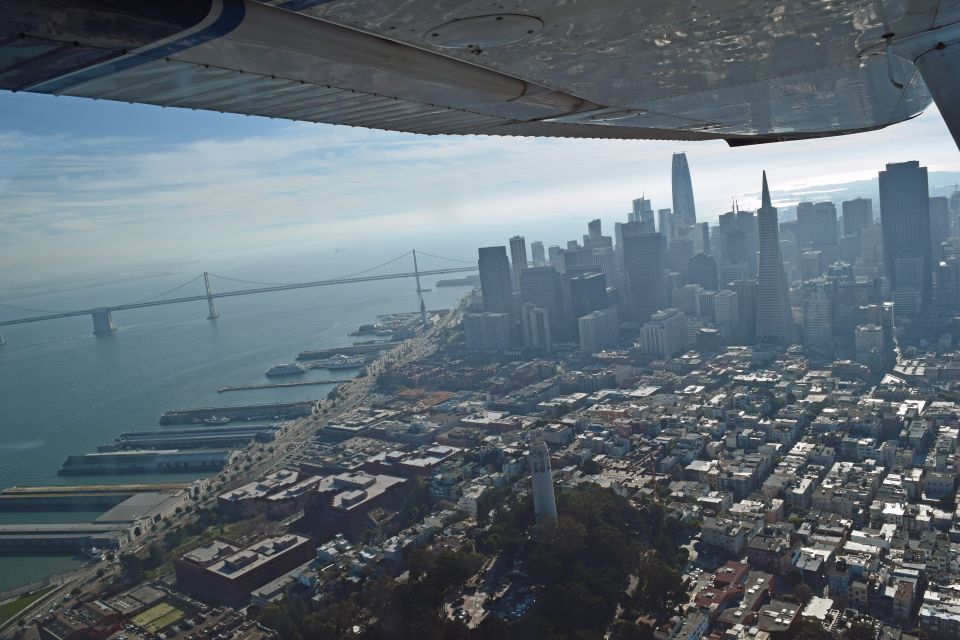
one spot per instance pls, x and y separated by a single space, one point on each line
157 617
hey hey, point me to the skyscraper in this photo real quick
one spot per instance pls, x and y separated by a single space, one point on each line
518 259
645 261
774 318
665 334
746 289
642 212
544 502
818 313
598 330
817 229
679 253
857 214
538 254
726 313
702 270
595 228
683 207
540 286
665 223
939 226
588 292
905 220
487 331
495 284
535 324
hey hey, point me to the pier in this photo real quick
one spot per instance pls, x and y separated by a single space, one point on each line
79 497
277 411
356 350
281 385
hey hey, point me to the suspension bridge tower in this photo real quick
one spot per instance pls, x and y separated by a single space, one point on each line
416 275
213 310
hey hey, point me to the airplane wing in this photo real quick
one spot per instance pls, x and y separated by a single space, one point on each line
744 71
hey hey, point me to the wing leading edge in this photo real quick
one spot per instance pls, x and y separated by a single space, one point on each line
375 64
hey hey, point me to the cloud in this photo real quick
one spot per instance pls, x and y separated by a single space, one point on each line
109 201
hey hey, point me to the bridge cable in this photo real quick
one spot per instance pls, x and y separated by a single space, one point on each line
287 284
424 253
12 306
159 295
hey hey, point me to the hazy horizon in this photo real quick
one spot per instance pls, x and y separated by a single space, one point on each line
98 190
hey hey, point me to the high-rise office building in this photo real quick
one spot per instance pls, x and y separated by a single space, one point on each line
746 289
702 270
496 286
816 223
939 226
594 228
598 330
642 212
683 206
774 317
737 240
588 292
535 325
857 215
750 224
701 238
818 313
869 349
905 220
538 254
594 238
726 313
488 331
680 251
665 334
817 229
540 286
554 255
665 223
705 306
811 265
518 259
645 261
605 259
687 299
544 502
947 293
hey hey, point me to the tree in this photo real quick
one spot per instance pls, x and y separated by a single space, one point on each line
590 467
861 630
623 630
810 630
803 593
132 567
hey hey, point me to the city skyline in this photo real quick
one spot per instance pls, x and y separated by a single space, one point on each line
144 185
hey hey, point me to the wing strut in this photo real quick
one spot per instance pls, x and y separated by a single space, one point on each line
940 68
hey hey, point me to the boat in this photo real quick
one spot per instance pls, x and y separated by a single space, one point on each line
293 369
216 420
341 361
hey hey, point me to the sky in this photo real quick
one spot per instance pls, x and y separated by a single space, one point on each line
94 187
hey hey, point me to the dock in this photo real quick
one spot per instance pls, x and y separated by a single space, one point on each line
276 411
79 497
354 350
234 436
148 462
281 385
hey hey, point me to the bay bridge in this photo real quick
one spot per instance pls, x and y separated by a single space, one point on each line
102 316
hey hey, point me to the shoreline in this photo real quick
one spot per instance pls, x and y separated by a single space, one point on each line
351 398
